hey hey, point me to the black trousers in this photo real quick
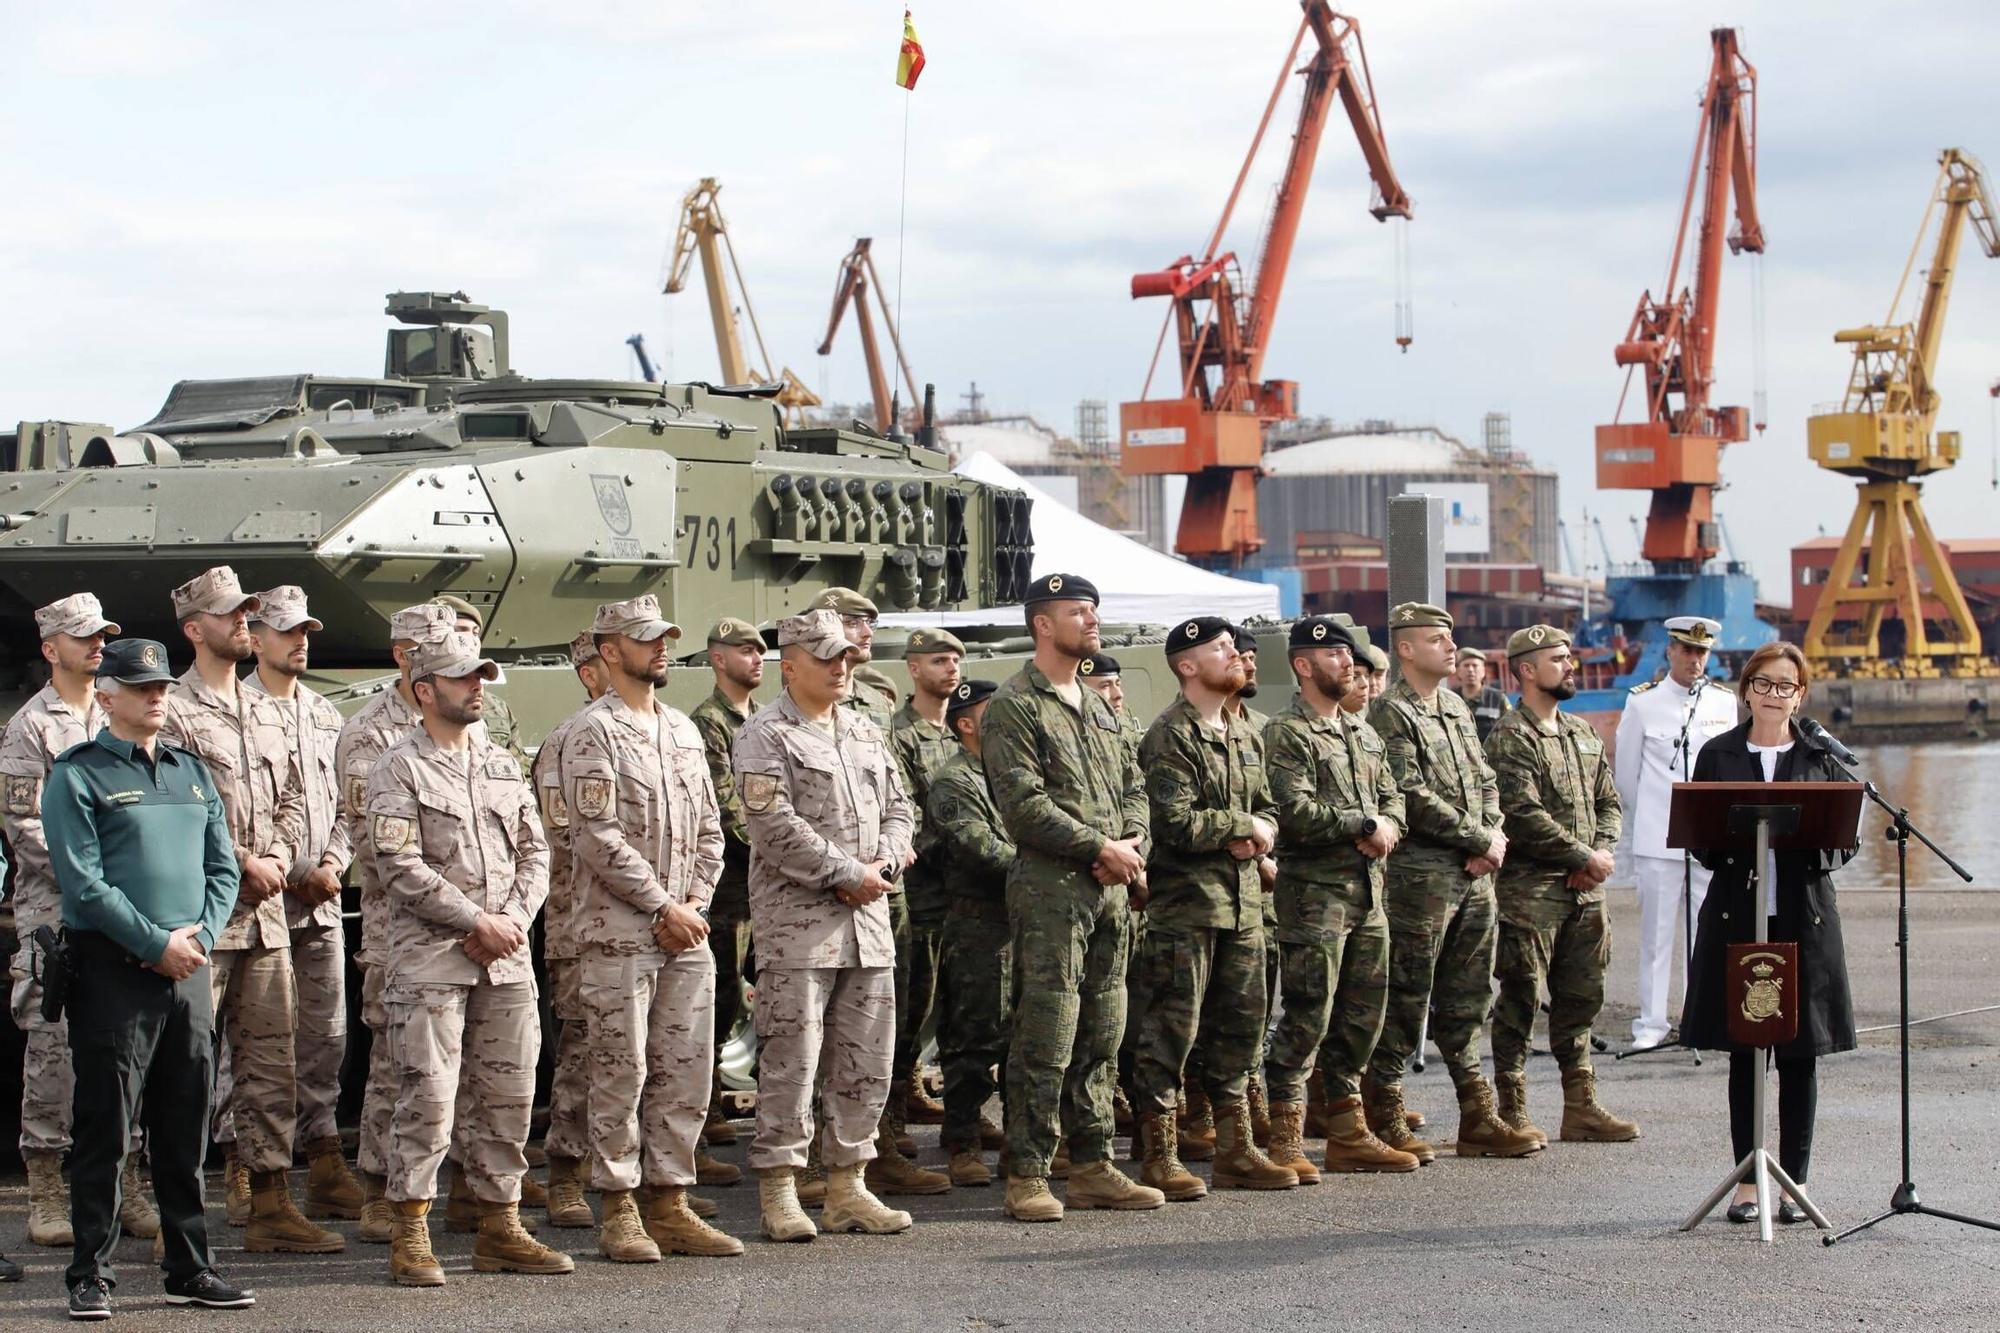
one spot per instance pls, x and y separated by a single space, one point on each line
1798 1103
136 1038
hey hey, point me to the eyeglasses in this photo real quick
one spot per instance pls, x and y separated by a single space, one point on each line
857 619
1784 689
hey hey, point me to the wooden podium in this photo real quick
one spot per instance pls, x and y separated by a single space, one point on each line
1764 818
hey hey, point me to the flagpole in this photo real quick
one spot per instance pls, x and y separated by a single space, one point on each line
902 212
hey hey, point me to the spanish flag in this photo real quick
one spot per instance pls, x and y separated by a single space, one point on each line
910 63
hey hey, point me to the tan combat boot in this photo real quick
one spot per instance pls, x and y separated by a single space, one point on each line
992 1137
48 1201
1099 1184
503 1246
676 1230
1160 1163
892 1173
378 1217
701 1207
1481 1131
1387 1120
1197 1126
1350 1146
235 1191
331 1189
710 1171
1239 1162
778 1198
1288 1141
1122 1121
919 1107
411 1263
1513 1097
136 1212
1260 1112
717 1132
1584 1119
810 1184
622 1238
890 1128
534 1194
278 1227
1314 1126
968 1167
1059 1164
850 1207
568 1207
461 1209
1029 1200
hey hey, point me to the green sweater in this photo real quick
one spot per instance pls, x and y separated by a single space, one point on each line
139 845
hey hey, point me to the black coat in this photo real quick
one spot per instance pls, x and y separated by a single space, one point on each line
1806 913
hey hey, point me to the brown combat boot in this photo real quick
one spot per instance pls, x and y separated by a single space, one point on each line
1197 1126
235 1191
968 1167
331 1189
1288 1143
1584 1118
1029 1200
278 1227
890 1128
461 1206
1260 1111
709 1171
136 1213
992 1138
378 1216
1239 1162
892 1173
48 1201
1122 1121
622 1238
717 1132
1099 1184
411 1262
1513 1108
1059 1164
701 1207
1350 1146
1481 1131
534 1194
1314 1125
919 1107
809 1182
777 1197
1386 1119
850 1207
1160 1162
504 1246
568 1208
676 1230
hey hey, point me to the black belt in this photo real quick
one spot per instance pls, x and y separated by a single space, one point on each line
99 947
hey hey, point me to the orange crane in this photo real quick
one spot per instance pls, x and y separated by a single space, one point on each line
857 277
1212 431
1676 451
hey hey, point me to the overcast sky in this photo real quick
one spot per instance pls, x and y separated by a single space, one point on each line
211 189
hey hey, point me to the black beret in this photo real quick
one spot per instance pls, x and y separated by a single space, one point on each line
1193 633
1246 642
969 694
1061 588
1322 632
1098 664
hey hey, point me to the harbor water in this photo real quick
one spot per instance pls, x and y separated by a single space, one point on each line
1949 788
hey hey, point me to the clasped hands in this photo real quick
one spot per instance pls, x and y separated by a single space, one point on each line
1492 859
679 928
1592 872
493 937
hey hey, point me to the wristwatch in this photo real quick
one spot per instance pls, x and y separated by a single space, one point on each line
701 910
1368 827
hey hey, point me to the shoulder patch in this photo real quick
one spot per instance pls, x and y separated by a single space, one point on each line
391 833
357 791
593 797
503 765
553 808
759 790
21 796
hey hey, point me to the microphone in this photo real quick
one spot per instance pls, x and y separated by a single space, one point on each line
1823 739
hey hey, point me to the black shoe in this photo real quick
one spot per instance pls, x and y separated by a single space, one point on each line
1743 1212
90 1299
207 1289
9 1270
1790 1213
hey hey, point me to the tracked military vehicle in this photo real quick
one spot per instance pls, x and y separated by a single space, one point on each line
534 499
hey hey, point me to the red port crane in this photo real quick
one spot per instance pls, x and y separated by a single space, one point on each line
1213 430
1676 452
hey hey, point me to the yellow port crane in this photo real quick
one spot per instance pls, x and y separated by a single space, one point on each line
1882 433
703 231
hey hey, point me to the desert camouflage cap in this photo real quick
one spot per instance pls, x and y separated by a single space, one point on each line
932 641
1060 588
635 618
583 648
1098 666
969 694
422 623
460 607
455 655
284 608
79 615
843 602
135 662
214 592
1535 638
736 633
1419 615
818 632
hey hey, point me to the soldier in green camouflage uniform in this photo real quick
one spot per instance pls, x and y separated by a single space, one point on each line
1563 820
1260 1116
1074 804
1440 891
1340 815
1103 673
1200 972
972 855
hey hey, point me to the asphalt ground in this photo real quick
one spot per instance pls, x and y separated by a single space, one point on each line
1580 1235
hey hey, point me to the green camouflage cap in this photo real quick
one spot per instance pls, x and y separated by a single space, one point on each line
1419 615
735 633
932 641
1535 638
843 602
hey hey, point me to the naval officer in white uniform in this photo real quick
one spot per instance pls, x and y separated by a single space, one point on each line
1651 756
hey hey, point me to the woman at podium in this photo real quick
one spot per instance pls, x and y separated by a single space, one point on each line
1799 907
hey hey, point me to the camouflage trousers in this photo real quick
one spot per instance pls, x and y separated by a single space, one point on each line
1201 1009
570 1086
919 940
650 1059
1570 956
845 1016
1072 944
1440 962
975 959
254 999
465 1061
319 1036
1273 979
378 1098
1128 1040
47 1077
1336 993
729 941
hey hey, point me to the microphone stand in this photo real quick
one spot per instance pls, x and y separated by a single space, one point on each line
1904 1200
1687 874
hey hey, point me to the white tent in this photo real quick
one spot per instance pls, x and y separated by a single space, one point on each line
1135 583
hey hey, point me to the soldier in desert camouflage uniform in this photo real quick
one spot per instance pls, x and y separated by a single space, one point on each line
240 735
498 722
646 835
63 713
1563 821
567 1140
464 870
829 828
